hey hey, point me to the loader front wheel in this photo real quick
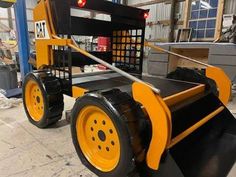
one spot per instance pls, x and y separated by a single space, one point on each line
42 99
101 135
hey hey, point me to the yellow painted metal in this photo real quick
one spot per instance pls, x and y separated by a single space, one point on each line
43 50
98 138
78 91
181 96
34 100
40 13
11 1
190 130
44 46
160 117
222 81
161 121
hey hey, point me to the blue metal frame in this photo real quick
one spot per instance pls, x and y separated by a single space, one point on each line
23 37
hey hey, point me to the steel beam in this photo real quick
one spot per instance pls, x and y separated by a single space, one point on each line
23 37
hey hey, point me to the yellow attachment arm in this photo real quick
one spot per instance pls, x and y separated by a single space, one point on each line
160 118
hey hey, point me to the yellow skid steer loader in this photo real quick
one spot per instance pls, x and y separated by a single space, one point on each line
124 123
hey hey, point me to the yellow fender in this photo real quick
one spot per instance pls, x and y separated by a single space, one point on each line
160 118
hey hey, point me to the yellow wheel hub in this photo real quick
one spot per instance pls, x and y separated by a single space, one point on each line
34 100
98 138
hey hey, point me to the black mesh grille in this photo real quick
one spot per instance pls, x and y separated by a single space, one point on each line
61 67
127 50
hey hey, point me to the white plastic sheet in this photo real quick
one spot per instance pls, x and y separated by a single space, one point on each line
6 103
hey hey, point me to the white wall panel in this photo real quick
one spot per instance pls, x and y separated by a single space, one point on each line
3 13
158 12
230 7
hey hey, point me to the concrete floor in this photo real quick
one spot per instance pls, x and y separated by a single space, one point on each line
26 151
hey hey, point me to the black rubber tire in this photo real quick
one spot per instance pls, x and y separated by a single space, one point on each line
52 95
194 75
124 113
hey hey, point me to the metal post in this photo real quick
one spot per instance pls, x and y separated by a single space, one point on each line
172 21
23 37
9 18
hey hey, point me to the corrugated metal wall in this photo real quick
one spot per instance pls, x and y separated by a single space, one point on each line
230 7
162 11
3 23
30 4
159 12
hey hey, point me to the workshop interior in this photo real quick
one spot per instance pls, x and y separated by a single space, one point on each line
120 88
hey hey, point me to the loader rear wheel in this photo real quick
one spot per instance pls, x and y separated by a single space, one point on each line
105 133
42 99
